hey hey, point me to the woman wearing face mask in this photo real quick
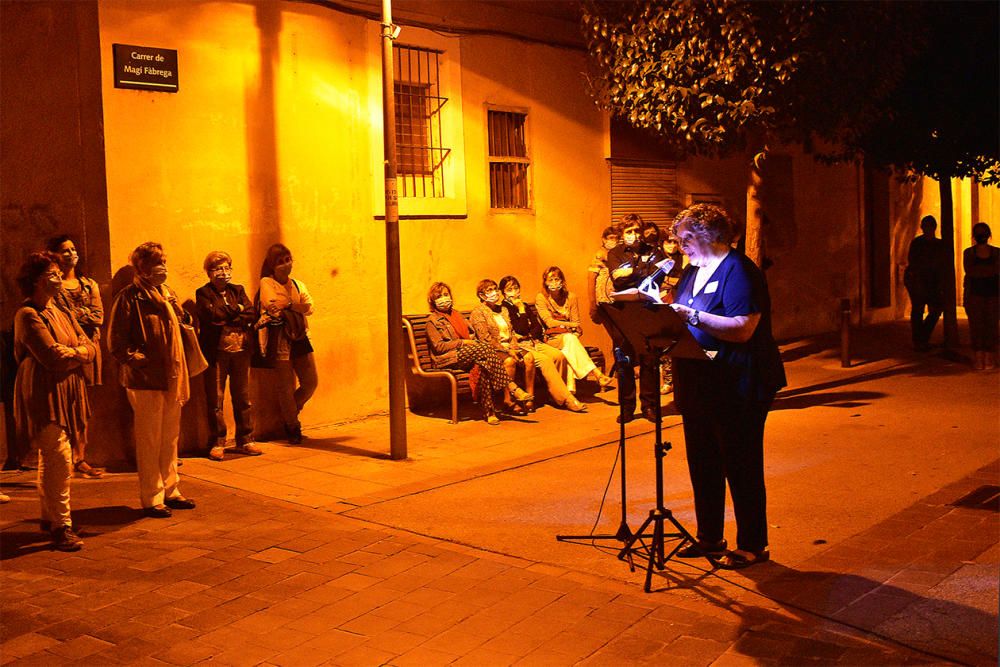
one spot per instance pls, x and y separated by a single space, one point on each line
81 298
982 295
630 263
226 316
490 325
671 251
559 311
452 345
50 396
599 282
286 302
529 333
145 338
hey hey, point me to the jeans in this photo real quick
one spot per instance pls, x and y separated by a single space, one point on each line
235 367
291 400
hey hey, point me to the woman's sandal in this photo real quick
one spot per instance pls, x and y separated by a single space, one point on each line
605 381
703 549
738 559
516 409
521 396
492 420
86 471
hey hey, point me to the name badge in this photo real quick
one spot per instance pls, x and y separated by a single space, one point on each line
711 287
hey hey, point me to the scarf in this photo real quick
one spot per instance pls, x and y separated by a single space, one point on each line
179 386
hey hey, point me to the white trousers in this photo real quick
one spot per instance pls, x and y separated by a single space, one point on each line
157 429
579 363
55 470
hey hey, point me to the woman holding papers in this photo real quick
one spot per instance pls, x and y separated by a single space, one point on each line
724 399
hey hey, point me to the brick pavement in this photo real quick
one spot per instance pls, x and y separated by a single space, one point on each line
248 580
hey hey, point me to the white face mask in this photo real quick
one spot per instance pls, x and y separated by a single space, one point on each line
554 286
630 239
443 303
492 297
610 245
158 275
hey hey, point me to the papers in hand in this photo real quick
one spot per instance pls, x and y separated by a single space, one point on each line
649 288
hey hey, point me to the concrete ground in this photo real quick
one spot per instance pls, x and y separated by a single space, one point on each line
329 553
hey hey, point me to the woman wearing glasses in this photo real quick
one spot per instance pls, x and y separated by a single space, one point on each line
50 394
226 315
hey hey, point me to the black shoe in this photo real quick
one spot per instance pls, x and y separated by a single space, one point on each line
180 503
703 549
294 435
626 417
157 512
64 539
649 414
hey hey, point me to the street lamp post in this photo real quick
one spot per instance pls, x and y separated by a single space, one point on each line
397 413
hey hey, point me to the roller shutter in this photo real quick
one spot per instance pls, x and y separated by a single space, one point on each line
646 188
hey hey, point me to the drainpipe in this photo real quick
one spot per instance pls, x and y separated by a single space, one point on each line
394 298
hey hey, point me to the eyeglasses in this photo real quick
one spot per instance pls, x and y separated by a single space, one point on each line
222 270
53 274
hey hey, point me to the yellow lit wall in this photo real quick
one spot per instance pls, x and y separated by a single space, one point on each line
268 140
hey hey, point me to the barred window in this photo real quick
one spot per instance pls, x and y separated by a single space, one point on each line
419 153
509 161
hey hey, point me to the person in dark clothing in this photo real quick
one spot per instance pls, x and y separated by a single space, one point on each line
981 290
226 317
924 280
724 399
630 263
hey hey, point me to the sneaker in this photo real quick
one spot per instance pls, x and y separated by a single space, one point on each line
248 449
217 453
64 539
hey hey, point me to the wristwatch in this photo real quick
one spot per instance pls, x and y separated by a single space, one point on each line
695 318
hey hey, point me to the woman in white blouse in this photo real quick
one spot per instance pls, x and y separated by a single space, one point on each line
285 303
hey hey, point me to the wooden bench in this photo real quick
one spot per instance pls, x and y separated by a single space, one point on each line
421 372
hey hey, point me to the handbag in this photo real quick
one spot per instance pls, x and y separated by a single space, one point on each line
196 363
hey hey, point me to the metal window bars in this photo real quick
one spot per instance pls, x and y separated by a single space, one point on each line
419 150
509 162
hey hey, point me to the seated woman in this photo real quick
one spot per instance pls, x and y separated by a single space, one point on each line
559 310
490 326
529 333
452 346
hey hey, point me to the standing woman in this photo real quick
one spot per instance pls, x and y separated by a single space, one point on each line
50 395
285 303
724 400
145 338
80 298
560 312
982 295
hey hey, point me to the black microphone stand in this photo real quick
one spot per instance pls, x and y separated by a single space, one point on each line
622 365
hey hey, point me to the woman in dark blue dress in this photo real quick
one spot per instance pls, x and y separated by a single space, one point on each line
724 400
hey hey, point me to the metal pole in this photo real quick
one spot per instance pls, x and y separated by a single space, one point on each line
393 281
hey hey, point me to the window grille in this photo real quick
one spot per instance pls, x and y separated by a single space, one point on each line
419 153
509 161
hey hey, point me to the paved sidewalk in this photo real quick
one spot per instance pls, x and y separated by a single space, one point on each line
331 554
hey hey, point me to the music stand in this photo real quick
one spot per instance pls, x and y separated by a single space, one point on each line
658 329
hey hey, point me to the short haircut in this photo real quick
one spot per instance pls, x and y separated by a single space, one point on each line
507 281
271 257
215 258
709 222
983 227
146 255
55 243
656 231
484 285
609 231
928 222
34 267
436 290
